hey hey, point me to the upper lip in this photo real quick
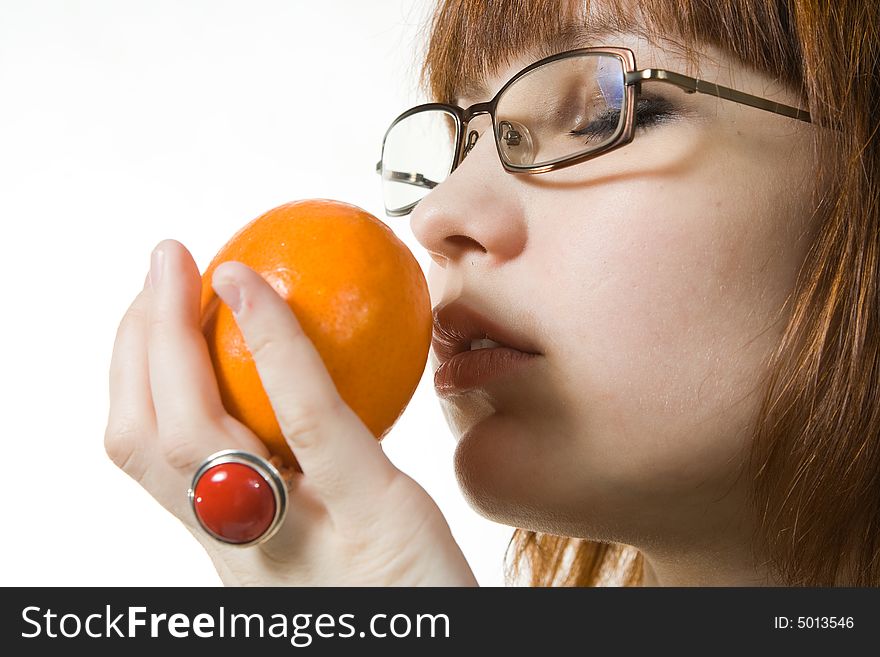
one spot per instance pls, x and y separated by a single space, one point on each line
456 324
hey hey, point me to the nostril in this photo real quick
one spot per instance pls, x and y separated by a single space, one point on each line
463 242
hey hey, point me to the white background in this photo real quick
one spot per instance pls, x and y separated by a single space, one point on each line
126 122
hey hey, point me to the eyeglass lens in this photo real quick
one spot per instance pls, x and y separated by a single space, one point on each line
557 111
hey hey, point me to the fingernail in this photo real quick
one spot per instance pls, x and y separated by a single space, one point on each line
230 293
157 264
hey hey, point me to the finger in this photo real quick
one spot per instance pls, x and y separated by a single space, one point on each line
131 401
337 453
182 379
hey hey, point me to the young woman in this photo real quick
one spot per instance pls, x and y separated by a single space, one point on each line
670 211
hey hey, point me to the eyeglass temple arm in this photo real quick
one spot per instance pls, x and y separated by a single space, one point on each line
692 85
416 179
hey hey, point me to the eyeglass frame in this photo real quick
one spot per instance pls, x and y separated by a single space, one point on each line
633 77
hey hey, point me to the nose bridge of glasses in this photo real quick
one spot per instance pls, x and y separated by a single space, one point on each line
469 136
475 110
516 142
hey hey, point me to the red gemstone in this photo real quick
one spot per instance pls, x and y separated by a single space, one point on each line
234 502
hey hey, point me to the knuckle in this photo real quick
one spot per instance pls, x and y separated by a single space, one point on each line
135 314
264 348
180 447
301 422
158 323
123 444
276 342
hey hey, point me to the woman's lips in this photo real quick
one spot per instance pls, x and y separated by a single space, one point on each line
471 369
456 327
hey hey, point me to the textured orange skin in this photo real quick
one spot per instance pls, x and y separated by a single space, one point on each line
359 295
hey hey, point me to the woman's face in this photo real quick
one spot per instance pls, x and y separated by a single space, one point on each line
652 280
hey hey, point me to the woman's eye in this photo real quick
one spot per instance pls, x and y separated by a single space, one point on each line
649 112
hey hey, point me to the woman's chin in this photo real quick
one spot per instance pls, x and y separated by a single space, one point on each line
523 474
496 467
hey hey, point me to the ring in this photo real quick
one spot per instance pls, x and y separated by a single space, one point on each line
238 498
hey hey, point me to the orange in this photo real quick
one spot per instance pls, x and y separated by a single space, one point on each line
357 291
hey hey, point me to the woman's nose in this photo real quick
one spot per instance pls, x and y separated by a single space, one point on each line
476 212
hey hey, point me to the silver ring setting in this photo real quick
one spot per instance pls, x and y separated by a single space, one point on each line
238 498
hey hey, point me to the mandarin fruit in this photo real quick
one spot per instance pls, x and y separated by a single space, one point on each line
359 295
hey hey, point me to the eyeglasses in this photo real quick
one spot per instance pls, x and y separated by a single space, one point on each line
559 111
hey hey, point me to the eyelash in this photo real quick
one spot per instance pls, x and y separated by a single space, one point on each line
649 112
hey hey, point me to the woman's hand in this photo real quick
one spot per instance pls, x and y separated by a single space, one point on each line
352 519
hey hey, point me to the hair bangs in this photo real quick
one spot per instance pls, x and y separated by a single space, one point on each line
472 39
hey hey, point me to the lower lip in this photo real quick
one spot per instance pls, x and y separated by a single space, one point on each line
470 369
